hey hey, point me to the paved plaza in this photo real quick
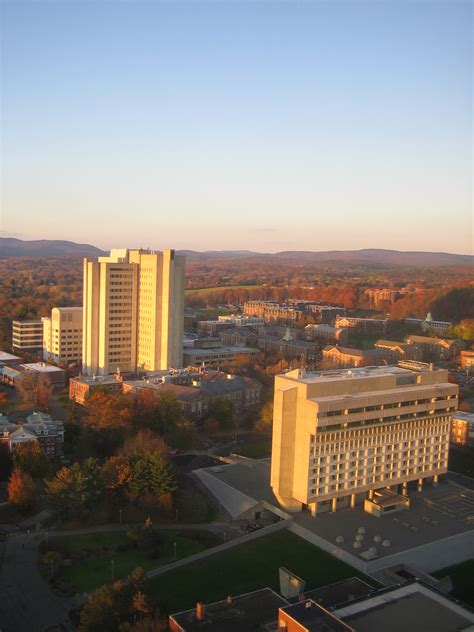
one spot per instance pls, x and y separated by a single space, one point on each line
441 516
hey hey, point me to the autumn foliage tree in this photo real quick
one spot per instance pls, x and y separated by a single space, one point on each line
32 459
116 607
76 490
108 410
21 490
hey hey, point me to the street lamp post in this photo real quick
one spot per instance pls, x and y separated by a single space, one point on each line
174 551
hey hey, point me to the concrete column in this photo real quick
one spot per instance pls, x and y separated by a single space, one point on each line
404 488
353 501
420 484
334 504
435 480
371 494
314 509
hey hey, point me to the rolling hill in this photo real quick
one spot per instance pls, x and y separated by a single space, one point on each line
371 257
10 247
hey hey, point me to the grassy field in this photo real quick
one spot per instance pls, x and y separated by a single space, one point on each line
255 450
91 556
462 576
245 568
220 288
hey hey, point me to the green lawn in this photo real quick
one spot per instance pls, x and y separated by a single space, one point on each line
245 568
462 576
91 555
255 450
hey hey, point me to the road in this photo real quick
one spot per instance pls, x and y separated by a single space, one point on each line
27 604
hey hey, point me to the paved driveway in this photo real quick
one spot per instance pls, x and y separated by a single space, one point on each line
26 602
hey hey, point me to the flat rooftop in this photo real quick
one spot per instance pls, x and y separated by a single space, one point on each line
334 595
196 351
360 372
411 607
314 618
435 514
252 611
42 367
8 357
97 379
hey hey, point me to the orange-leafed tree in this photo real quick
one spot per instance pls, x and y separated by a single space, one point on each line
21 490
108 410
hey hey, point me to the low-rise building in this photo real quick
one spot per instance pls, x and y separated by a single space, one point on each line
466 359
215 357
347 357
327 313
410 605
462 428
326 334
27 336
363 325
436 348
384 295
395 351
197 394
213 327
38 427
9 358
289 348
62 335
81 387
427 324
238 337
55 374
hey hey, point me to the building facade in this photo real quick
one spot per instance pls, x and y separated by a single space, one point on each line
326 334
133 311
363 325
27 336
462 429
39 427
339 437
466 359
436 348
62 335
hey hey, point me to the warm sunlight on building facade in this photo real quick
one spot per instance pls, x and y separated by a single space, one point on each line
62 335
340 435
133 311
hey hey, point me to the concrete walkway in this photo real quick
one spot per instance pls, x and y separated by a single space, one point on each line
27 603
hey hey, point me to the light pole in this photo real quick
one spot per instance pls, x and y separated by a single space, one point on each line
120 517
112 569
52 568
174 551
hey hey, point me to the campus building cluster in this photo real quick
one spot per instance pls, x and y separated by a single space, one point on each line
196 391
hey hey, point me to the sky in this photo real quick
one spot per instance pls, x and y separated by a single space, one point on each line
269 126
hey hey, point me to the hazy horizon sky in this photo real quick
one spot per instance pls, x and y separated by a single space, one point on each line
238 125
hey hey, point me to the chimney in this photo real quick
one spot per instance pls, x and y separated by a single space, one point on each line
308 604
200 611
229 600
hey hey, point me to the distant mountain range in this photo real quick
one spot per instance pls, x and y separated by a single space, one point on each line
368 256
10 247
